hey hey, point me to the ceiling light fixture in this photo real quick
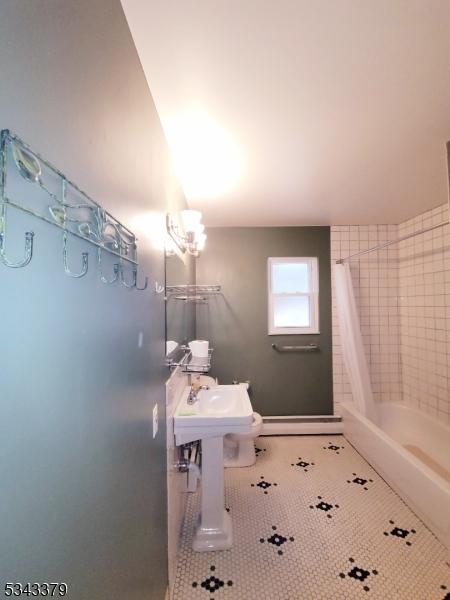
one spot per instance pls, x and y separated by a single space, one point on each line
187 232
207 159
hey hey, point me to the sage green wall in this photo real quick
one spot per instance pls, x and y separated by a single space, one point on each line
83 483
236 323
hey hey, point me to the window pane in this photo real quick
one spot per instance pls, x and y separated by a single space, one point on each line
291 311
290 278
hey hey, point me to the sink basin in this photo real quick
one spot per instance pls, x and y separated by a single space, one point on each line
221 405
220 410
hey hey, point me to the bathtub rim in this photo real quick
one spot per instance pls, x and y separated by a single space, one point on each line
424 491
396 445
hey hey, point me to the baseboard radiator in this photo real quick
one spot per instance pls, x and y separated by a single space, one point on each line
306 425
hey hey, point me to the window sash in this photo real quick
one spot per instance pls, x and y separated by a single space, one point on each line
313 296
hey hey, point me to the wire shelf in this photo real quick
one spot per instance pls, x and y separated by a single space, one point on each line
198 294
195 364
192 364
193 289
195 299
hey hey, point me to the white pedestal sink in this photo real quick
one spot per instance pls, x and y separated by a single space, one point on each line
222 409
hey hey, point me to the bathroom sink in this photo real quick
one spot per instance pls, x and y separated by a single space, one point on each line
217 411
220 410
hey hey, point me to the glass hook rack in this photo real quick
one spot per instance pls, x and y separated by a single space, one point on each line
31 184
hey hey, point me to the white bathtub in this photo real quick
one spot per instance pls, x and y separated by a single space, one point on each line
422 482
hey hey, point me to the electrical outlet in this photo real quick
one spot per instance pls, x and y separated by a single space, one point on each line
155 420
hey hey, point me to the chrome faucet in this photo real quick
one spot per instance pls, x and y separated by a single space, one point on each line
193 392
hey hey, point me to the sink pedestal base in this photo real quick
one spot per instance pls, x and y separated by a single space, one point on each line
208 540
214 531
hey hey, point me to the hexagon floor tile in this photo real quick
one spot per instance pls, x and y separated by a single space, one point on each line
313 521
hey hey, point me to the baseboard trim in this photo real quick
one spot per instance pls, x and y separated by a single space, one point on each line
302 425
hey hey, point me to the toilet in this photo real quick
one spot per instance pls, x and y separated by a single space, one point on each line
239 449
203 380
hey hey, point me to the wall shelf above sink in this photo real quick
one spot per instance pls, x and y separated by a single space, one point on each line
198 294
194 288
192 364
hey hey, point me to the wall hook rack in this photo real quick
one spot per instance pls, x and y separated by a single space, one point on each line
122 278
84 262
60 203
133 283
103 279
29 236
145 284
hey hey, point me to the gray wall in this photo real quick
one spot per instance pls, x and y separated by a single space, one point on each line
236 323
83 496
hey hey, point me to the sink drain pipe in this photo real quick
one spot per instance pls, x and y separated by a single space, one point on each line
189 456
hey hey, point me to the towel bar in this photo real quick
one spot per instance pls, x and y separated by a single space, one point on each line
308 348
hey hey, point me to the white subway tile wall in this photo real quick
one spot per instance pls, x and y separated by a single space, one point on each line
403 296
424 297
375 280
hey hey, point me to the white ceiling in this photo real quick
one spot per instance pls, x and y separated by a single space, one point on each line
338 110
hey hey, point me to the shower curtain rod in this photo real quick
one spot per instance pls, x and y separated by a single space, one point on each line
340 261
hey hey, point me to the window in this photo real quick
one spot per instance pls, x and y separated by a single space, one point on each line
293 295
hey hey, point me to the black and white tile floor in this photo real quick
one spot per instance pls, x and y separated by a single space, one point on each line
313 521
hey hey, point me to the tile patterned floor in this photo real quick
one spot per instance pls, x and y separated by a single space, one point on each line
313 521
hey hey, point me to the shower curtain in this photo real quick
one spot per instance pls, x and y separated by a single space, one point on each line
351 340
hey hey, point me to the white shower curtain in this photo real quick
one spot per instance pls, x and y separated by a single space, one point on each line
351 342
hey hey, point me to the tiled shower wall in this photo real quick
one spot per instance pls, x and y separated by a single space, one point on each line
403 297
424 289
375 280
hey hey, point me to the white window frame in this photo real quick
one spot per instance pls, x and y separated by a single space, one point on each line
313 295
